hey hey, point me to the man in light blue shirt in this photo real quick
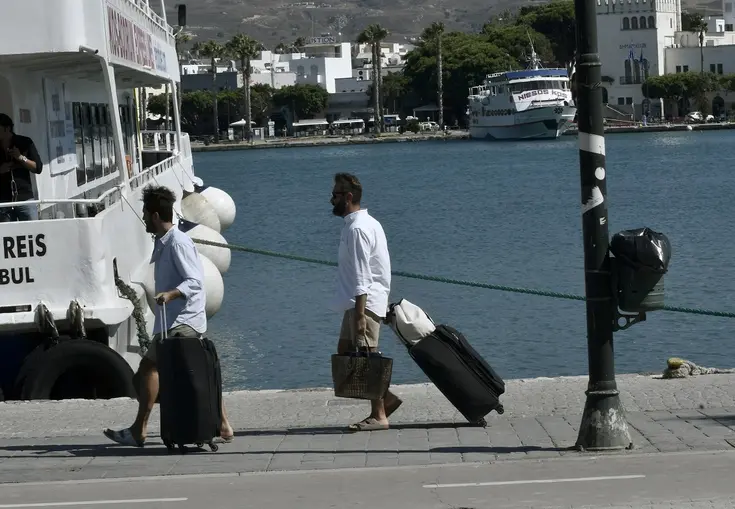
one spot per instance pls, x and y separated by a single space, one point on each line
179 284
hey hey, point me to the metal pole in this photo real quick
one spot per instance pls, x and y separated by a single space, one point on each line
603 424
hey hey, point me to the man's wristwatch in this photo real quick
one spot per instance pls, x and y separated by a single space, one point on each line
23 159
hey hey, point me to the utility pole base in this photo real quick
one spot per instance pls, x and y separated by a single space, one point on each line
603 426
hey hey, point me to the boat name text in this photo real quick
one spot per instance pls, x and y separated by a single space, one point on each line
128 41
21 246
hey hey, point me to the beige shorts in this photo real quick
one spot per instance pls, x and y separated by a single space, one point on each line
348 340
180 331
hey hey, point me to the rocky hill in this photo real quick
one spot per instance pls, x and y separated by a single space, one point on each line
276 21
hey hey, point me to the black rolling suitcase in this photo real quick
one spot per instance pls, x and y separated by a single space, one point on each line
457 370
190 383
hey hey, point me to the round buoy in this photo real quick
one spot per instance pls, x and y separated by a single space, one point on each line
690 128
214 287
196 208
222 203
220 256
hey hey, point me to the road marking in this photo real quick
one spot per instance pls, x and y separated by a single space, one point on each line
533 481
94 502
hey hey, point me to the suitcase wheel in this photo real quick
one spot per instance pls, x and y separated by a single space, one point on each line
169 445
500 410
214 447
481 422
183 449
200 444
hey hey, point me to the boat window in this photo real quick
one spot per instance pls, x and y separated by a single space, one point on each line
96 141
79 142
110 141
88 144
104 139
501 89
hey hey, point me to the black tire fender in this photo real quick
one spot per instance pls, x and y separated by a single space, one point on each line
43 367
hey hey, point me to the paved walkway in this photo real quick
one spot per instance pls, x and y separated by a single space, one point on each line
296 430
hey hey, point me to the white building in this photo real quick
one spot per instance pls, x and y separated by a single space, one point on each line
322 61
641 38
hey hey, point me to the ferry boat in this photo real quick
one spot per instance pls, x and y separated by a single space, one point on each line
76 285
535 103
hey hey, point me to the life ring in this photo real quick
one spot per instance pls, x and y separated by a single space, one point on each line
49 371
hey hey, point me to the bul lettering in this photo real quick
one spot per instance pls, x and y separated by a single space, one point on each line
17 276
24 246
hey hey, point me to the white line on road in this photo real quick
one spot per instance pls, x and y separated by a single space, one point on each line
533 481
94 502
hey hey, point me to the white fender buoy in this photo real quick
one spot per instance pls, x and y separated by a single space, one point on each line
220 256
196 208
214 287
690 128
222 203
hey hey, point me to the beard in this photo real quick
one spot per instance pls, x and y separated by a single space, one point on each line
339 209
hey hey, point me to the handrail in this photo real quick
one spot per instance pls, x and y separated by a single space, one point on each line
57 201
152 15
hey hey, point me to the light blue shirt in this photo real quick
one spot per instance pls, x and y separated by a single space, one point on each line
178 266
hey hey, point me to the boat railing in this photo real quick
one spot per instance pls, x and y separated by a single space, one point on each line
159 141
154 21
79 208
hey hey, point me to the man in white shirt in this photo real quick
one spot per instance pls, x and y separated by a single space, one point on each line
363 285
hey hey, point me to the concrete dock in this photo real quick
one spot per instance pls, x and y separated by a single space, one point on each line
305 430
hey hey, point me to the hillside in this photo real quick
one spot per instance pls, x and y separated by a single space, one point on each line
275 21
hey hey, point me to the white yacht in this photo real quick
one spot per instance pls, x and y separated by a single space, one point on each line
76 285
535 103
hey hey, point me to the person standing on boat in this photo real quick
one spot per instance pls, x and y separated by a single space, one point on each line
179 284
363 285
18 159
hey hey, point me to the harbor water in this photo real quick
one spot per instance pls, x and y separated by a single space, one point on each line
503 213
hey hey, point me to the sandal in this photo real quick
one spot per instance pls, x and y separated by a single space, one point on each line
369 424
224 440
123 437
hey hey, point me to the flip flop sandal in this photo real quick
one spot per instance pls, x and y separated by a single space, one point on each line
224 440
368 424
123 437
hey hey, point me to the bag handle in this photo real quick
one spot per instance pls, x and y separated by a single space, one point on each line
164 323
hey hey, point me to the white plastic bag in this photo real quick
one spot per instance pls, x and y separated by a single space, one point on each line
409 322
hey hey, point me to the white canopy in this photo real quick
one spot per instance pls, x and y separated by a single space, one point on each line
241 123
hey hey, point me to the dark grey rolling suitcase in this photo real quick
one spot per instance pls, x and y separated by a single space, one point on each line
190 383
459 372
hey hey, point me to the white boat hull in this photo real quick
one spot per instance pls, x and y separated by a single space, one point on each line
535 124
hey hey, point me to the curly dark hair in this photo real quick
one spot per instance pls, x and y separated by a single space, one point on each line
349 183
160 200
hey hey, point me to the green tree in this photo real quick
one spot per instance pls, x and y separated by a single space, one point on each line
245 49
681 88
196 110
433 34
213 51
395 86
305 100
374 35
516 40
556 21
261 102
180 38
467 59
698 26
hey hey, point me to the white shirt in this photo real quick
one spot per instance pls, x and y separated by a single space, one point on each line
363 263
178 266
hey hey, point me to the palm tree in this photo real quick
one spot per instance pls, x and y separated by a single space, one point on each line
280 49
213 51
699 27
245 49
373 35
180 39
433 34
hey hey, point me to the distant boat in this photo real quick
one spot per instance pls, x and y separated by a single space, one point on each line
535 103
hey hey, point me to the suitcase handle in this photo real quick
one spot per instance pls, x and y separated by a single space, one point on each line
164 323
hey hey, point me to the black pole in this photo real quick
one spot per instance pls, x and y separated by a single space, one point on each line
603 424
